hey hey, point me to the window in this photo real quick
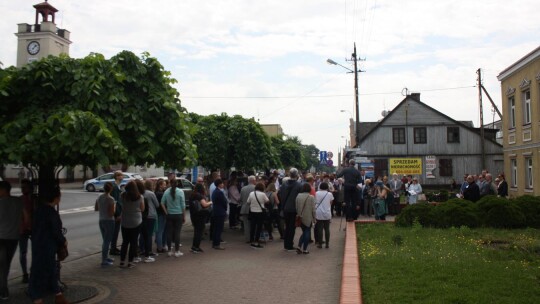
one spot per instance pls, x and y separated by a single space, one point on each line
529 168
445 167
420 135
527 107
452 134
513 168
512 116
398 135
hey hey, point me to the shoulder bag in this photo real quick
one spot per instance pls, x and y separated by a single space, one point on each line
264 211
298 220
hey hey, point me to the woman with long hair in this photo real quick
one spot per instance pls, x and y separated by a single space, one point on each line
161 234
132 208
273 208
174 205
198 218
105 204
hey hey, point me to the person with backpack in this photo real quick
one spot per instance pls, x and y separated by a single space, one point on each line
198 213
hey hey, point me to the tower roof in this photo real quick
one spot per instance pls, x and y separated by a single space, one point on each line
45 9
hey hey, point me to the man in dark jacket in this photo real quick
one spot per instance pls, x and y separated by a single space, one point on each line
351 178
219 212
472 191
287 196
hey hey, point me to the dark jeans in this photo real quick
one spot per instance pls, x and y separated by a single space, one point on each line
174 227
161 236
129 239
7 251
319 226
217 223
368 207
234 212
276 220
257 221
114 241
337 207
290 228
23 251
198 229
351 201
303 242
107 229
147 230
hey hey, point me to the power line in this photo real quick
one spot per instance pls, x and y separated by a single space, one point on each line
321 96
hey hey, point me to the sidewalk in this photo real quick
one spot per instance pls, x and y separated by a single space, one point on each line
238 274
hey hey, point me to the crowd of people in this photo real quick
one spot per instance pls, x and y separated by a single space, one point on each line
153 212
474 187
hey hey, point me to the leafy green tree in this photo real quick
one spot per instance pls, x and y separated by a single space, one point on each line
61 111
224 142
289 151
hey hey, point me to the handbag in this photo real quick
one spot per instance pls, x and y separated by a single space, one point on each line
62 252
298 220
199 209
264 211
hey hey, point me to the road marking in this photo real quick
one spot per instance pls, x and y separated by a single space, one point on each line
77 210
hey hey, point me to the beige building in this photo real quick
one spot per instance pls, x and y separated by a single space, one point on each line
273 129
41 39
520 87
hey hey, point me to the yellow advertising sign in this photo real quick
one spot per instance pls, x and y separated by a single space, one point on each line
406 166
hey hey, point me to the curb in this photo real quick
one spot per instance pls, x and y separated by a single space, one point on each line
351 285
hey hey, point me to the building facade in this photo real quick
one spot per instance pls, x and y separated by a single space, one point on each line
273 129
415 139
520 91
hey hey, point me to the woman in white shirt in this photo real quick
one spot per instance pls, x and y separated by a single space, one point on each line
257 214
414 190
323 214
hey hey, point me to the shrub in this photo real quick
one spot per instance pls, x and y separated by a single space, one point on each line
455 213
505 216
530 207
420 211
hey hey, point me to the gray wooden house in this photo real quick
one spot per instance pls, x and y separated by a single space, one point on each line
416 139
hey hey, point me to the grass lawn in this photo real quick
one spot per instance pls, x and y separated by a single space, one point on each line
457 265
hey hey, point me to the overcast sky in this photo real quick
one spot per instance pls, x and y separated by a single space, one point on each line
267 59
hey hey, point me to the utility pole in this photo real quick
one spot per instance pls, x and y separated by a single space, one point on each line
483 140
357 103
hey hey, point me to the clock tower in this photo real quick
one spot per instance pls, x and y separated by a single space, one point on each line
41 39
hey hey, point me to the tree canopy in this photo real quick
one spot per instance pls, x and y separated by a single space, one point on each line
63 111
224 142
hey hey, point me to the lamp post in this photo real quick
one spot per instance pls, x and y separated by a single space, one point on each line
357 105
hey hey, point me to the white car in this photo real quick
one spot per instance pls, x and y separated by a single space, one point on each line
97 183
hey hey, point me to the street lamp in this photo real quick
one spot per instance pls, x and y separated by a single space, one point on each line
357 105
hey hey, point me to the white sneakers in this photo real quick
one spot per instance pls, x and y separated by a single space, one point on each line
149 260
178 254
169 253
137 260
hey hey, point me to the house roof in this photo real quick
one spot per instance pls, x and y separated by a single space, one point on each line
416 97
516 66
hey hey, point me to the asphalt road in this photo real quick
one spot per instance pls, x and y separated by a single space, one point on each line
78 216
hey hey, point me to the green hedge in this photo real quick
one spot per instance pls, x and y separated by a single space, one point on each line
490 211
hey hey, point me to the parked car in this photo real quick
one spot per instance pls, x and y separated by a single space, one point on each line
96 184
184 185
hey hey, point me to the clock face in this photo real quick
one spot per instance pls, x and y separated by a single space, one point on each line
33 48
